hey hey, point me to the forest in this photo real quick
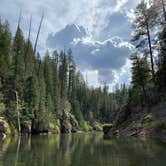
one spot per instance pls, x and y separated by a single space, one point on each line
47 93
144 113
36 92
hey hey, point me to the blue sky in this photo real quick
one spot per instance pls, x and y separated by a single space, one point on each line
98 31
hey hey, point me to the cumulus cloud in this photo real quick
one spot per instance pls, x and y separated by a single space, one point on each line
106 57
107 23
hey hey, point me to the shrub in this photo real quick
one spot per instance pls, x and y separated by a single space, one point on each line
158 125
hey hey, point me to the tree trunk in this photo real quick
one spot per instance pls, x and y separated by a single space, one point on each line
150 51
38 33
18 114
164 11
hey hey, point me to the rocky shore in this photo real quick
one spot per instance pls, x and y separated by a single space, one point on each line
138 121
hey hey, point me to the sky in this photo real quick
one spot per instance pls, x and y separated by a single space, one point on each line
97 31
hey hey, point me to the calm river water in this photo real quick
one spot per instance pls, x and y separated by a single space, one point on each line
81 150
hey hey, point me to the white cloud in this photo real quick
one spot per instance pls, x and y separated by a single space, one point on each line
104 61
105 20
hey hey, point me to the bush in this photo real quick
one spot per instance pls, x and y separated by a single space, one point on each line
86 127
158 125
135 125
53 128
4 127
97 126
148 117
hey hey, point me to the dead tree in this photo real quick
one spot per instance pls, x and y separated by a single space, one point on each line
37 37
18 113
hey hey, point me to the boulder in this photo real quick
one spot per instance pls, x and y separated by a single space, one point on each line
73 123
4 128
26 128
68 123
108 131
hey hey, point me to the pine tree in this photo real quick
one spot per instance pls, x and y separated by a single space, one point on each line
56 82
29 59
142 36
5 51
161 74
2 106
140 74
63 70
48 77
71 78
18 62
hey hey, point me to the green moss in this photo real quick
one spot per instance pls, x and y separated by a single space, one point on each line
5 126
97 126
108 125
53 128
86 127
148 117
73 120
135 125
158 125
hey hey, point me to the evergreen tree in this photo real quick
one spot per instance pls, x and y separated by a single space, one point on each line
140 74
48 77
63 70
5 51
18 62
142 37
161 74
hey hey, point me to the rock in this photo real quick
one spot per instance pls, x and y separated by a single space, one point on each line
123 115
73 123
68 123
4 128
108 130
26 128
66 127
53 128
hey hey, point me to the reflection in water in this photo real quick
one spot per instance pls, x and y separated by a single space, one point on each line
18 149
81 150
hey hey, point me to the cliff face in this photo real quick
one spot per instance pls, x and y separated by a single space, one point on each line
139 121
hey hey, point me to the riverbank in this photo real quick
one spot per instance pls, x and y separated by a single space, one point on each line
139 121
66 124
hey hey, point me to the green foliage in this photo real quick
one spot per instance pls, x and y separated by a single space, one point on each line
6 128
108 125
48 86
157 125
97 126
135 125
140 77
86 127
148 117
53 128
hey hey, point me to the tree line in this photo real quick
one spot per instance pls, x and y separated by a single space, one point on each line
35 89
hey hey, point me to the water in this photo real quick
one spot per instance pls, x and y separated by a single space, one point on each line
81 150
